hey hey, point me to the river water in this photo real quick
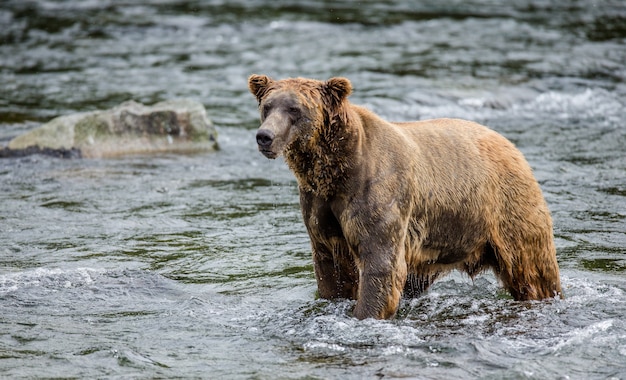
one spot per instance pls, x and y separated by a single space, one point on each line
198 266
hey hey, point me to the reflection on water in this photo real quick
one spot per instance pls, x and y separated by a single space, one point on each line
199 266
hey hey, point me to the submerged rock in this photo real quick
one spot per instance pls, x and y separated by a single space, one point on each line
177 126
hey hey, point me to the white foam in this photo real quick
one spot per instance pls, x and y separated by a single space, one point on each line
582 335
588 103
53 278
323 346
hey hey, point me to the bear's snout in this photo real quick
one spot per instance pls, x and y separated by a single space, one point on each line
265 138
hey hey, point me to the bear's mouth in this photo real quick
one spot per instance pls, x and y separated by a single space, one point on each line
268 153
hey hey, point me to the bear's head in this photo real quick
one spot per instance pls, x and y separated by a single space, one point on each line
296 111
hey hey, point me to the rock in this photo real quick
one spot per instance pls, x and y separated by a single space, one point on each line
176 126
60 153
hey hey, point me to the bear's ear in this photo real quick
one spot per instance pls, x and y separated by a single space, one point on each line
258 85
337 89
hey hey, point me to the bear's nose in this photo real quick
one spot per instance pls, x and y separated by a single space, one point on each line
264 137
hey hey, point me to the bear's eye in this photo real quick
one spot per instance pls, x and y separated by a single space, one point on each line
266 110
294 111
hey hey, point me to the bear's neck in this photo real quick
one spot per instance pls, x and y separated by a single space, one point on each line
323 162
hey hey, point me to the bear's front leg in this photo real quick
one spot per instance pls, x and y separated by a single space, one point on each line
383 274
335 269
336 274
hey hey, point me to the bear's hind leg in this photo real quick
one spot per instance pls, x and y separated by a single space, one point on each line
416 284
529 271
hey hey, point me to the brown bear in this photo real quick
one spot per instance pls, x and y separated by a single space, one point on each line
391 207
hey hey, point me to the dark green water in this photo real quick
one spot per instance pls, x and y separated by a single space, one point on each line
199 266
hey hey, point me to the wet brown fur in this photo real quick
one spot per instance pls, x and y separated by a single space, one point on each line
391 207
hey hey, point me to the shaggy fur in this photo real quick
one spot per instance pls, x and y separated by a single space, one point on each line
391 207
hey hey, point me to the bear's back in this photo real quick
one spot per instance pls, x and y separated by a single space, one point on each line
460 145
